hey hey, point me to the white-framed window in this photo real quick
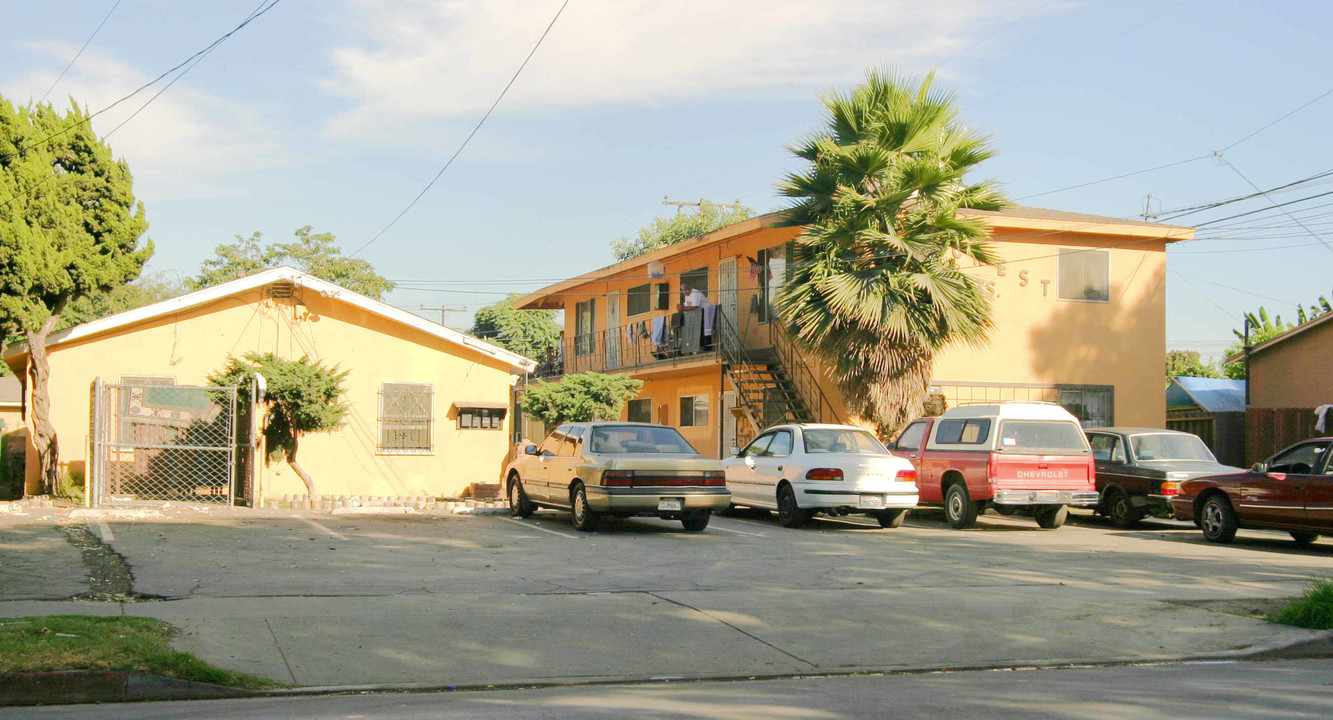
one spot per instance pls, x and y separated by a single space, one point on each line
640 410
1085 275
639 299
694 411
406 418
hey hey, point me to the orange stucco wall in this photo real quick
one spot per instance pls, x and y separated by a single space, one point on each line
189 346
1038 339
1294 373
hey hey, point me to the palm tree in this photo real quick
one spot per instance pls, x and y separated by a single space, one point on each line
875 287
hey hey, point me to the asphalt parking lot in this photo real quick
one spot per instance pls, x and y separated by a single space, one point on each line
439 600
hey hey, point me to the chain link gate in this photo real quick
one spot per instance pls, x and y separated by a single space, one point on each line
162 442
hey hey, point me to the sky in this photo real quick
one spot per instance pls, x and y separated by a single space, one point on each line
338 113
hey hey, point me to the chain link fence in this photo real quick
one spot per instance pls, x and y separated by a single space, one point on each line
157 441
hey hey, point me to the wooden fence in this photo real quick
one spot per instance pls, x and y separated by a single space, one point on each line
1268 430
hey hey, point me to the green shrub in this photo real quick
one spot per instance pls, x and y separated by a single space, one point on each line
1313 609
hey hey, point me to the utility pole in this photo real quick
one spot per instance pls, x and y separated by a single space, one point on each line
441 310
666 200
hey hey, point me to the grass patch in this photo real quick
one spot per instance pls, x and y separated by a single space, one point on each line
1313 609
81 642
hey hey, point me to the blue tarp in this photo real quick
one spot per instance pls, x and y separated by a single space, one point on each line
1210 394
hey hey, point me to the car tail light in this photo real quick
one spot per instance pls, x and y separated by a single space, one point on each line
992 471
906 476
618 478
834 474
1170 487
715 477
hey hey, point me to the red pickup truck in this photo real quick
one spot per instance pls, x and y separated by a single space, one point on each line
1021 458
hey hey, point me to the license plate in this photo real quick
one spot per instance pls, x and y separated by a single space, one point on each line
671 504
872 501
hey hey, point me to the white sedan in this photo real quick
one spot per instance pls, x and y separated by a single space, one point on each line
801 469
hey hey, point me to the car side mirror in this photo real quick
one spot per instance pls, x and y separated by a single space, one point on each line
1260 467
733 450
530 450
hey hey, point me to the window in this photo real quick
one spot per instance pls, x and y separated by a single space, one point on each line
640 410
758 446
910 440
1093 405
631 439
570 447
1085 275
585 313
694 411
663 293
1169 446
963 432
639 299
772 274
855 442
1106 448
1300 460
694 279
781 445
552 442
1046 437
405 418
478 418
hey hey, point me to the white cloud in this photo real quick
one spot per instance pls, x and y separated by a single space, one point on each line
438 59
186 144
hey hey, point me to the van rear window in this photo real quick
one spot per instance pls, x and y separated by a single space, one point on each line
963 432
1047 437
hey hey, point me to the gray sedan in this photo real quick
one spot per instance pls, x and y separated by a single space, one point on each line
1140 469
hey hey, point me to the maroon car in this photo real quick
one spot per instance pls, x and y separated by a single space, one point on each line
1292 491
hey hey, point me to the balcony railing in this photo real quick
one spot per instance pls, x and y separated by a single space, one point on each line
665 340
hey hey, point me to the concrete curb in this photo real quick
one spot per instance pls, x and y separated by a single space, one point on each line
92 686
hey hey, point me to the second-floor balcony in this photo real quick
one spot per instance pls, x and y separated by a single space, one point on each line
666 340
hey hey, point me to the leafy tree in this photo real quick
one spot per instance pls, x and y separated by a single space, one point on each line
303 396
1262 329
531 333
69 227
581 397
1186 363
681 226
876 288
144 291
313 253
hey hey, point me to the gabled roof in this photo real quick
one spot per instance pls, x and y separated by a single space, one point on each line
1209 394
1267 344
263 279
1017 217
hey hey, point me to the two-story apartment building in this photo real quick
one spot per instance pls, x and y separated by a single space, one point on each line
1079 305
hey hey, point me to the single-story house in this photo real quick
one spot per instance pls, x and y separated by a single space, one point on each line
1213 409
427 405
1289 378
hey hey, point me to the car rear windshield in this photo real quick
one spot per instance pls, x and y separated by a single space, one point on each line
633 440
1047 437
1170 447
855 442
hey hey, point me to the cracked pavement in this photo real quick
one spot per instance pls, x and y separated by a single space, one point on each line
439 600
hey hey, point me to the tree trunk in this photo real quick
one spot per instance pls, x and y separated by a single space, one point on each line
309 481
43 431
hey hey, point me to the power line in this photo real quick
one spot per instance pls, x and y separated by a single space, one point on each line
1192 209
1317 98
80 52
470 135
1236 170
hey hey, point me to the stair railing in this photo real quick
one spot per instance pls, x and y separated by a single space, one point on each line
802 376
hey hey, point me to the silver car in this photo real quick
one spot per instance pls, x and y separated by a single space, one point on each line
619 469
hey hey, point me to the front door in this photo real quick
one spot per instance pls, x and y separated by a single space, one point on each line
728 424
1319 495
613 330
560 470
770 467
743 472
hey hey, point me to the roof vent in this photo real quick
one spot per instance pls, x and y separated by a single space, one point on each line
283 289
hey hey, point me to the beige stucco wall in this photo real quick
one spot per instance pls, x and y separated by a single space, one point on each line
1295 372
189 346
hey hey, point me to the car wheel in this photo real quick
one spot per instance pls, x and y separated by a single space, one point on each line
1218 519
959 509
519 504
891 518
1121 511
1304 538
1051 517
790 514
696 520
585 518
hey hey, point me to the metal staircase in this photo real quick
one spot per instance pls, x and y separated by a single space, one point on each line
772 386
